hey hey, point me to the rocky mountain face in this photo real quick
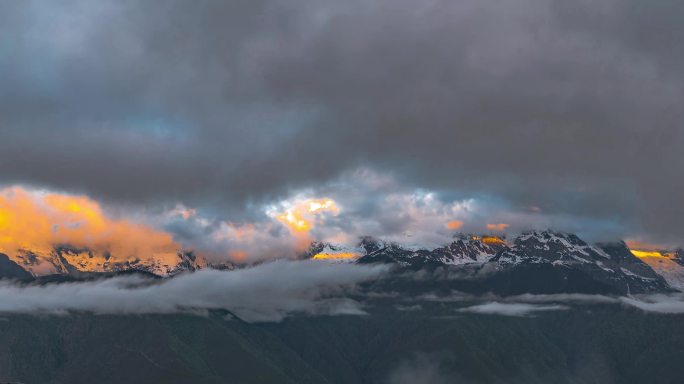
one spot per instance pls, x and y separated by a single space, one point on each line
610 264
668 264
596 344
679 256
464 249
540 261
11 270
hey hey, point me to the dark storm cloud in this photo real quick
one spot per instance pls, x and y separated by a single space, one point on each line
573 107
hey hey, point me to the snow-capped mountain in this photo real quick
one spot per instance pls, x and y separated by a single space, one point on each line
536 261
544 260
550 247
611 264
679 256
66 260
464 249
333 253
668 264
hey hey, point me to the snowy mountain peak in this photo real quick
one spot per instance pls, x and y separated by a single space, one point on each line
66 259
549 236
679 256
464 249
537 254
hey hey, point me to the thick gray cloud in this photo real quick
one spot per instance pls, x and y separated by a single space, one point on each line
568 107
672 303
264 293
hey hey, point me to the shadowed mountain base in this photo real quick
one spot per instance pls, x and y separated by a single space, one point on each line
592 344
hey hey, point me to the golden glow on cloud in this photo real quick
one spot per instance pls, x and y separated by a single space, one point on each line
238 255
335 256
301 215
38 221
454 225
182 211
497 227
294 221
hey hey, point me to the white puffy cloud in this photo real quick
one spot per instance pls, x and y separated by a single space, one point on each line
511 309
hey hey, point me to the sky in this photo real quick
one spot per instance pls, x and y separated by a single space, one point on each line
247 129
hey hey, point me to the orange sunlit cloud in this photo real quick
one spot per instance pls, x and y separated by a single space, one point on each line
38 221
497 227
238 255
301 215
251 241
454 225
182 211
243 242
640 245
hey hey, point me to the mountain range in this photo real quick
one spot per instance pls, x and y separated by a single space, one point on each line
535 261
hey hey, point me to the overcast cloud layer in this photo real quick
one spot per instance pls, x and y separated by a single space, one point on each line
267 292
272 291
573 108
